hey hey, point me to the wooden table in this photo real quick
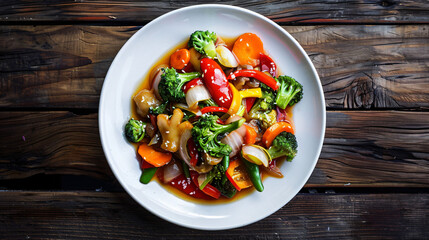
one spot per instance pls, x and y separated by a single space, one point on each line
372 178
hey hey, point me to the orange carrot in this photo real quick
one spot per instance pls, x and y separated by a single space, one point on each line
250 137
247 48
180 59
157 159
275 129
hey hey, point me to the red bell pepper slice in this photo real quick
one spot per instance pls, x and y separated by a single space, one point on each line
186 186
193 152
258 75
216 82
213 109
144 164
191 84
208 189
267 65
249 103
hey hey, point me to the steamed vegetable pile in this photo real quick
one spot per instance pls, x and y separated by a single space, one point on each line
215 118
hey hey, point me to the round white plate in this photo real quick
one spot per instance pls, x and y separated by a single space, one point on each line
134 61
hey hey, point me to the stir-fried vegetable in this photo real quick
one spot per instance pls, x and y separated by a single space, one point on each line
206 131
203 42
170 86
284 144
191 123
290 92
134 130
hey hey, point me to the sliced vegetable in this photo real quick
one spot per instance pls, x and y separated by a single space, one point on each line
283 116
215 81
184 155
237 175
147 175
180 58
249 103
193 152
144 165
196 94
213 109
194 82
235 141
236 100
251 92
247 49
256 154
258 75
171 171
267 65
250 137
275 130
255 175
207 189
225 57
274 170
186 186
152 156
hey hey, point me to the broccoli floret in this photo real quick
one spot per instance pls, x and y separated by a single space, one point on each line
284 144
289 93
206 131
161 109
263 108
203 42
207 103
170 86
134 130
221 182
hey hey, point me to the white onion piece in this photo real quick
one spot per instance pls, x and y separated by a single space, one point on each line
211 160
235 141
225 57
233 118
196 94
156 78
171 171
184 155
256 154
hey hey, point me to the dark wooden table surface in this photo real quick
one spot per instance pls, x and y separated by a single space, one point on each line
372 178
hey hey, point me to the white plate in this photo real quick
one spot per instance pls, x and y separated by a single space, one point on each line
134 61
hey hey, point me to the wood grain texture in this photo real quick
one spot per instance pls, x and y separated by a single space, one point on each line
361 149
361 67
99 215
283 12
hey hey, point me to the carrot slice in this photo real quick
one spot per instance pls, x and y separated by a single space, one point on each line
180 58
275 129
250 137
247 48
150 155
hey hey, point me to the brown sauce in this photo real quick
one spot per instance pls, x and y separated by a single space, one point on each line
146 84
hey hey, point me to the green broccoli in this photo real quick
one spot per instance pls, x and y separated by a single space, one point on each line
135 130
263 108
161 109
219 180
170 86
289 93
284 144
206 131
203 42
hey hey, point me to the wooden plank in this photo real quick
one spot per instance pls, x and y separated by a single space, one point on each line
361 149
360 66
95 215
284 12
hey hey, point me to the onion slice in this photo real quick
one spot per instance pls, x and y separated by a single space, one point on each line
171 171
235 141
184 154
195 95
256 154
155 77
